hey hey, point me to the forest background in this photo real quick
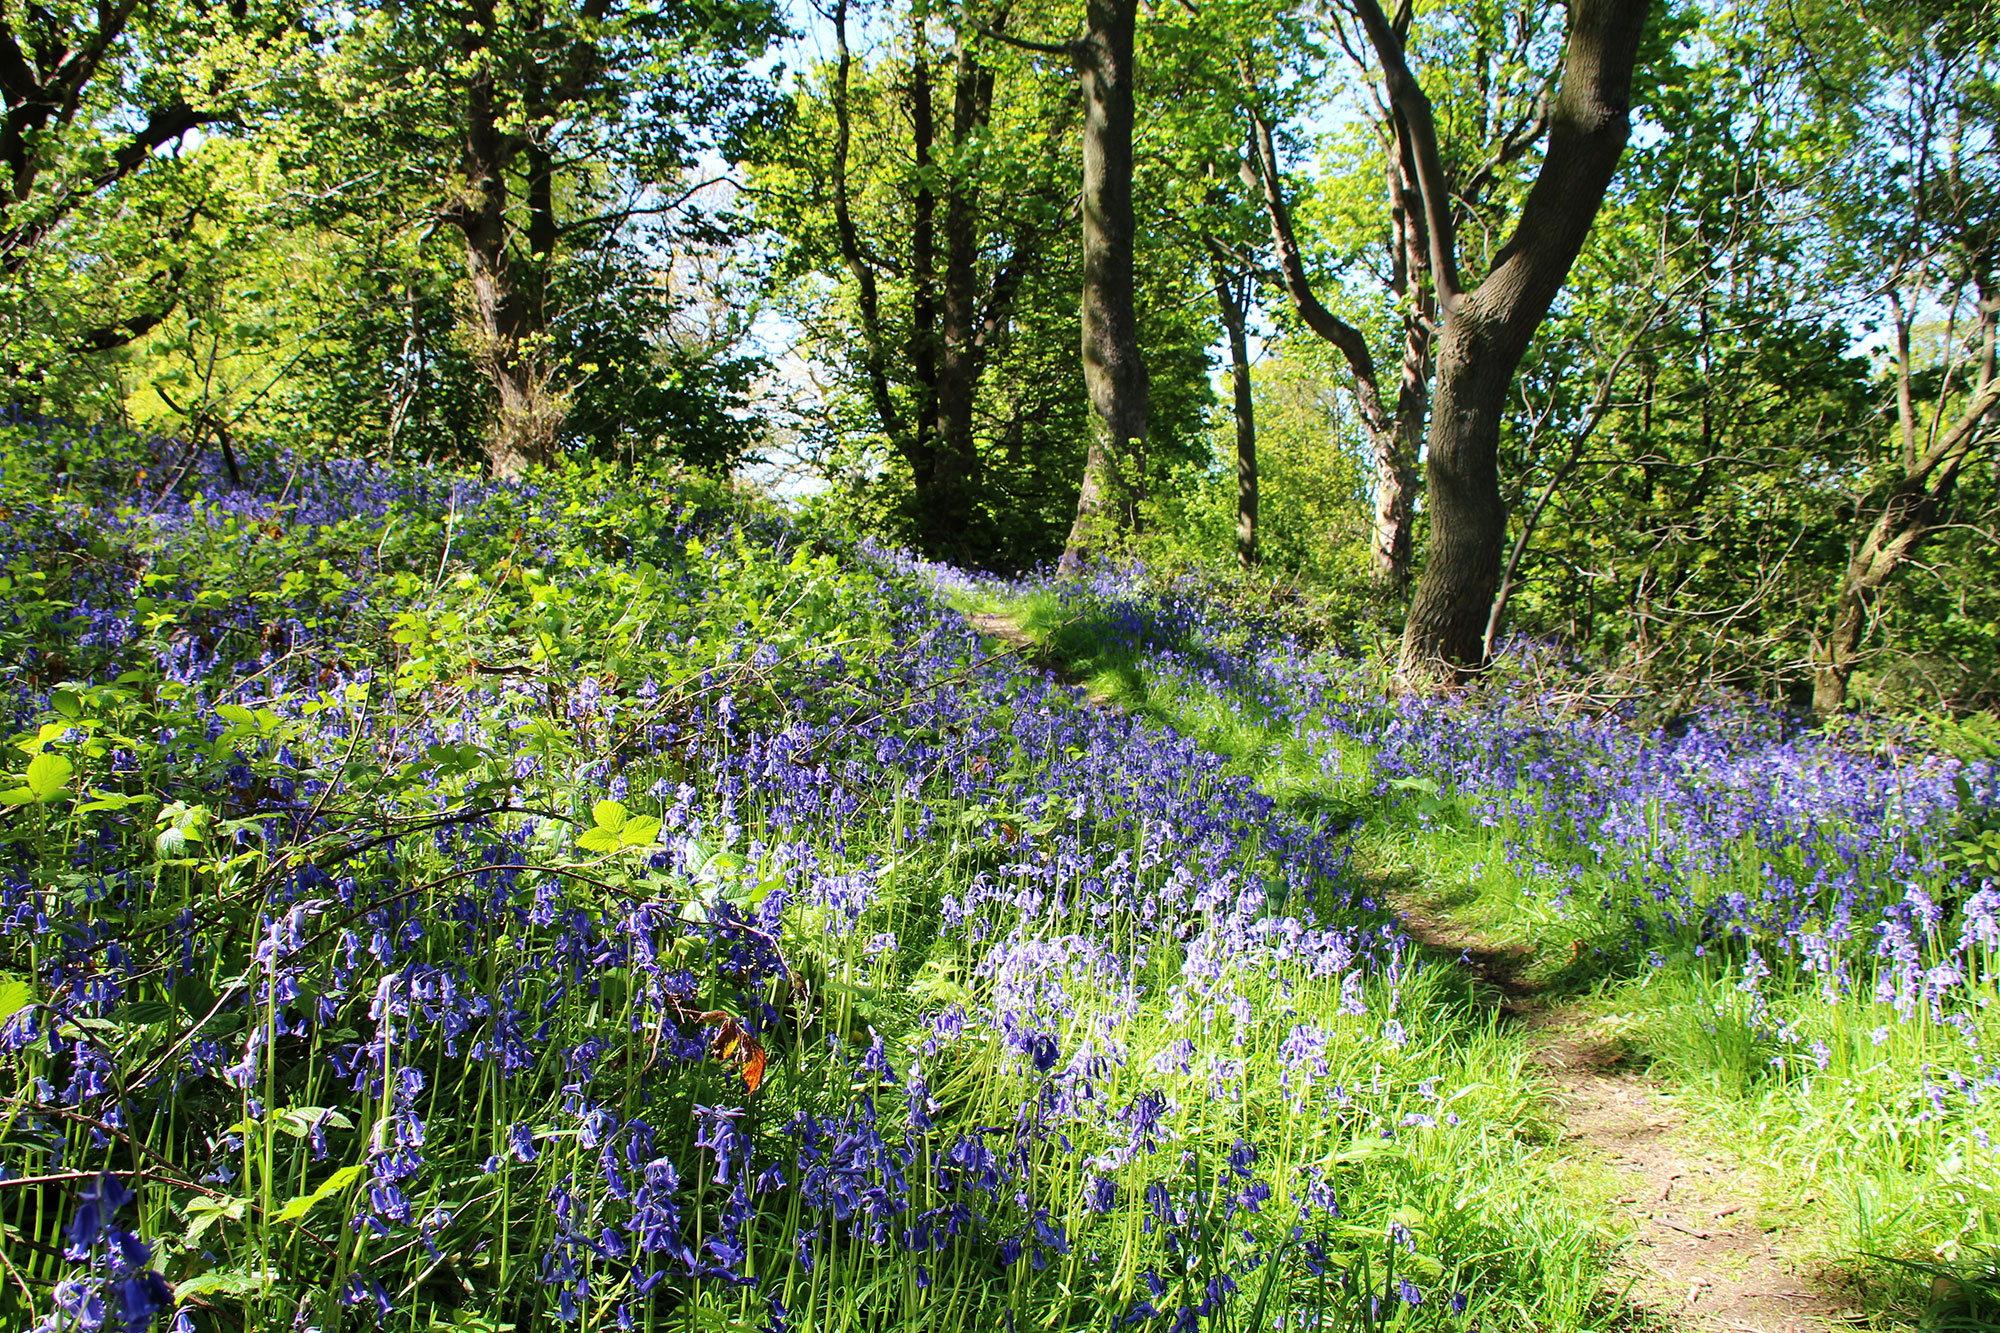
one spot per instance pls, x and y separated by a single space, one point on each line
842 251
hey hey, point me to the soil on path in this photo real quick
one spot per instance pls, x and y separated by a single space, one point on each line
1007 629
1698 1254
1002 627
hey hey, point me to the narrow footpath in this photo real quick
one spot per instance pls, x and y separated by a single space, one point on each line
1697 1255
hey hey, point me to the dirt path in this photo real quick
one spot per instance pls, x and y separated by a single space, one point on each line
1697 1255
1004 628
1008 631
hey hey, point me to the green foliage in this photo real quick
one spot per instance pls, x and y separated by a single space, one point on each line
1840 1089
1014 177
466 687
101 210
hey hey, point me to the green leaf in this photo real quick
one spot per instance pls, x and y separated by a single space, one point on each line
336 1183
226 1282
639 831
113 800
194 997
711 867
599 840
15 995
48 774
236 715
608 815
298 1121
748 895
203 1213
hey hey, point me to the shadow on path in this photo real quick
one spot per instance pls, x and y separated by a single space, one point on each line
1697 1254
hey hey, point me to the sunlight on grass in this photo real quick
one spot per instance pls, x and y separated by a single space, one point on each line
435 903
1805 951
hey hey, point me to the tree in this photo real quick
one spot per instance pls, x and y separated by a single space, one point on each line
1114 370
1485 330
1188 159
1358 276
953 332
94 101
918 192
930 254
1392 435
1232 294
1913 89
558 127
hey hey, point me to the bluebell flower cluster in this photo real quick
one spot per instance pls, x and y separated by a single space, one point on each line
1820 874
599 901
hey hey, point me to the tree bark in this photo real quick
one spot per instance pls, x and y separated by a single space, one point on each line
952 332
522 433
923 348
1232 304
1910 512
1392 441
1486 331
955 473
1396 460
1114 371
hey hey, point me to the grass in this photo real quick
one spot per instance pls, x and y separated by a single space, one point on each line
1884 1116
433 904
441 905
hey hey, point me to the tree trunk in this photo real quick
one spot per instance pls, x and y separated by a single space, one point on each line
1113 370
1392 442
1232 304
1910 513
1842 649
1486 331
1395 456
522 433
923 245
955 473
1446 628
952 335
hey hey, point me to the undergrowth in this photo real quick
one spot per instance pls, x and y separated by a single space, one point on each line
1797 928
431 903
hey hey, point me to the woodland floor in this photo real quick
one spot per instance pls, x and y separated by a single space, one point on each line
1696 1250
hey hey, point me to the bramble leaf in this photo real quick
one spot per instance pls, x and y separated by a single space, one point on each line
112 800
226 1282
48 774
15 995
639 831
599 839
